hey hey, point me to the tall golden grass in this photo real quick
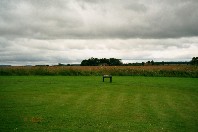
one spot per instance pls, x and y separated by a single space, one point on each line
165 71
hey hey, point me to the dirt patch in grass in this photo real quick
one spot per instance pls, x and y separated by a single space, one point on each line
36 119
33 119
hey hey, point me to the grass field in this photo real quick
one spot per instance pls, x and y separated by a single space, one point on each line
85 103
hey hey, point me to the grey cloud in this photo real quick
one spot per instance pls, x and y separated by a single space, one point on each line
29 20
43 31
92 19
176 20
25 51
135 6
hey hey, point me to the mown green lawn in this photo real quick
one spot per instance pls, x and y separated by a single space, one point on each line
85 103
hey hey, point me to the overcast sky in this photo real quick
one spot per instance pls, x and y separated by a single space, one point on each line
68 31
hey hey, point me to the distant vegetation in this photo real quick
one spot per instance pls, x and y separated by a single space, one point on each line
118 62
105 62
97 67
161 71
194 61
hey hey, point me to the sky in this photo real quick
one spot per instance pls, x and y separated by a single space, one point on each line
34 32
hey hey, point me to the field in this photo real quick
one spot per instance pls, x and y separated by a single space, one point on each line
85 103
159 71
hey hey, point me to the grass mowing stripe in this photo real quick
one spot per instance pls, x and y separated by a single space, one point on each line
174 117
101 103
185 112
158 115
83 99
118 103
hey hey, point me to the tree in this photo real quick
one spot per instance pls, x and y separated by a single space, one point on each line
152 62
115 62
194 61
163 62
96 62
59 64
84 63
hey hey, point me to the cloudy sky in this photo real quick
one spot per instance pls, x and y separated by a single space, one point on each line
68 31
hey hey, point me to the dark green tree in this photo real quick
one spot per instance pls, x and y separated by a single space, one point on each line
96 62
152 62
194 61
115 62
84 63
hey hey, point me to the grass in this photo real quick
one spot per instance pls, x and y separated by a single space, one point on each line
85 103
157 71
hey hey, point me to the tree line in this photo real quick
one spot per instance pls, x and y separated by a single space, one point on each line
105 62
118 62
